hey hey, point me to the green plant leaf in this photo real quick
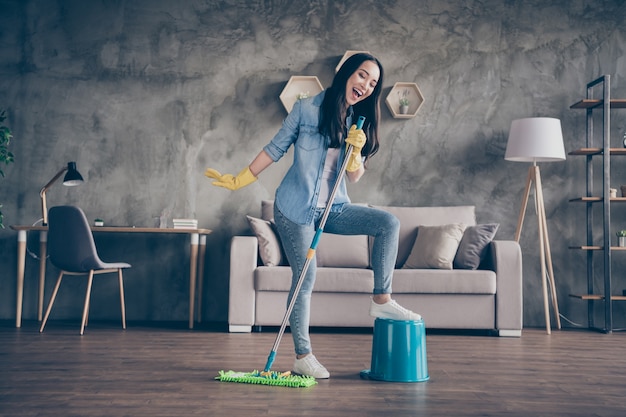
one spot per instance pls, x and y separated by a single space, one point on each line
5 155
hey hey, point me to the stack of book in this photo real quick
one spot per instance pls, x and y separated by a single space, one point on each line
185 223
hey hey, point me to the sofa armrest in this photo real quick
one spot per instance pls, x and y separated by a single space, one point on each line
506 258
244 252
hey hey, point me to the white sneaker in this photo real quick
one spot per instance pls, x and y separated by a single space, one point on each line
393 311
310 366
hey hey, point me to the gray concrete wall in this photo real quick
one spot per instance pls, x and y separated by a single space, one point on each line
145 94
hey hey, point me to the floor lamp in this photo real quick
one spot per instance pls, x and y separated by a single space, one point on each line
538 139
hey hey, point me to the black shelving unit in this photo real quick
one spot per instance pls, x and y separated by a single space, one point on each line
592 150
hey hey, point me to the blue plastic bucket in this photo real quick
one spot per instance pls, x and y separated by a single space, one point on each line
398 351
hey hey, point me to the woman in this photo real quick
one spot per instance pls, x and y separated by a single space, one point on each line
317 127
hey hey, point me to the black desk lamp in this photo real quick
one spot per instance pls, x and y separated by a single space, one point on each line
72 178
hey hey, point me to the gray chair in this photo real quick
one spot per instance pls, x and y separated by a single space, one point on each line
72 249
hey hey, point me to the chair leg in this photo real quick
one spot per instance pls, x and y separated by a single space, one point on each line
52 298
122 303
87 298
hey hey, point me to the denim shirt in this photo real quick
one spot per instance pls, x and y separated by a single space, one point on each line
297 194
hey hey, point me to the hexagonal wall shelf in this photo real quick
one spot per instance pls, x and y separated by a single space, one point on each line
347 55
299 86
412 93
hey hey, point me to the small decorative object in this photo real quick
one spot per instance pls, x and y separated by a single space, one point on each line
98 222
613 192
409 91
299 87
302 94
623 188
624 140
404 101
621 238
185 223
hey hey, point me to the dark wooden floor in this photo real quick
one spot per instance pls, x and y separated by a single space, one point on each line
160 371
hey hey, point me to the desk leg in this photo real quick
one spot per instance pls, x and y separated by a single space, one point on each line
200 275
21 261
193 265
43 246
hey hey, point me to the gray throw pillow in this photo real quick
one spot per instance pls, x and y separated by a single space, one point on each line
473 246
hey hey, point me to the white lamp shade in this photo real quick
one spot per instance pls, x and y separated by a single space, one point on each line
535 139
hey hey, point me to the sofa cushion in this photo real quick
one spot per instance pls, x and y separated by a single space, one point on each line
444 281
405 281
473 246
333 250
435 246
413 217
346 280
270 248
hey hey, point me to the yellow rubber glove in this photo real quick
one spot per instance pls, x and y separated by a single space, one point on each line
356 138
245 177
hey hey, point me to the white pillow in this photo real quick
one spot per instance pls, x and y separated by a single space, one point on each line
435 246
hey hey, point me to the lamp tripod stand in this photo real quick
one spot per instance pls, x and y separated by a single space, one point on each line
547 273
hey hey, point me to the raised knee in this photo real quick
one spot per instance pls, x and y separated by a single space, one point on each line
388 225
392 222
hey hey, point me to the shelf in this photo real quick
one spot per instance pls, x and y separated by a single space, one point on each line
596 200
597 297
347 55
413 93
597 151
593 104
299 84
586 200
587 247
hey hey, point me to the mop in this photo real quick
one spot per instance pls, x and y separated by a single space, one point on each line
267 376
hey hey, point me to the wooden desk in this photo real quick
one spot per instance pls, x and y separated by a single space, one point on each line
196 261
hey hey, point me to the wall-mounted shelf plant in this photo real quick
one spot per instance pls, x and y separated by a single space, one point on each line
299 86
404 100
347 55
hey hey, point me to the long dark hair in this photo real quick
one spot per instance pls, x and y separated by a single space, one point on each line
333 110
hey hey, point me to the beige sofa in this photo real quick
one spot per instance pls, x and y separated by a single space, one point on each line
488 297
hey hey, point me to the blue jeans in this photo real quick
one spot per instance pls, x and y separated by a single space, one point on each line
384 227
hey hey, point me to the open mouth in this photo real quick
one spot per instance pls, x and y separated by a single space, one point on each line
356 93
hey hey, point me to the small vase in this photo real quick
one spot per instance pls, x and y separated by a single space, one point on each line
621 241
404 109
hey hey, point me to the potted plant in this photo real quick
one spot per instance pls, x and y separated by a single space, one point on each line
5 155
621 238
404 101
303 94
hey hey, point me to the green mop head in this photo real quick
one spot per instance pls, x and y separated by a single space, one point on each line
284 379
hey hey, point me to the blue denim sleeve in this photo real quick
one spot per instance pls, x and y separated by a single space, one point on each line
287 134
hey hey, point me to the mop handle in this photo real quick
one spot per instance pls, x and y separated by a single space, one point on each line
311 253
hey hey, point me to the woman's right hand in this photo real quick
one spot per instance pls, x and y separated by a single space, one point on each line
245 177
356 138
